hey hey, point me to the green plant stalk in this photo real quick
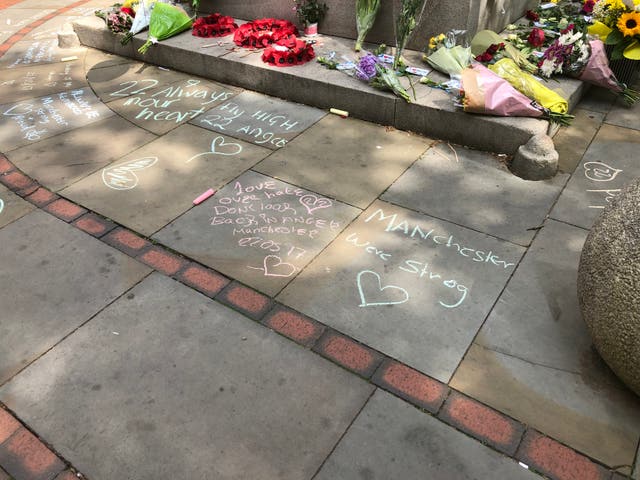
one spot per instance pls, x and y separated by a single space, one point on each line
387 80
366 12
405 24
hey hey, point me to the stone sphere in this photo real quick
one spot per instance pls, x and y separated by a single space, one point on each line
609 285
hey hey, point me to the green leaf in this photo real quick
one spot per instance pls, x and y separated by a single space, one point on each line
614 38
618 50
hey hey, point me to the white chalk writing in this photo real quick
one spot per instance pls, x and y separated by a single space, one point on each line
220 147
600 172
373 293
1 205
123 176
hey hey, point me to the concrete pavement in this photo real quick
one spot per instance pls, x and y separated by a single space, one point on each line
354 301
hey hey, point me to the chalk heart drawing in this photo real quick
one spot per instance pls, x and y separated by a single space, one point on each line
372 293
220 147
600 172
275 267
123 176
312 203
1 205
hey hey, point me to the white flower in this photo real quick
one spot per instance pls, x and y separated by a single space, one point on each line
547 68
584 53
512 37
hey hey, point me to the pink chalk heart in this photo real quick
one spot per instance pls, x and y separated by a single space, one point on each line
275 267
373 293
312 202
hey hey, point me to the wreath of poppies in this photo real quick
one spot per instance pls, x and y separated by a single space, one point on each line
214 25
287 53
264 32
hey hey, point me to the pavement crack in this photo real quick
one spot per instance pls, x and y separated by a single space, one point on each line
537 364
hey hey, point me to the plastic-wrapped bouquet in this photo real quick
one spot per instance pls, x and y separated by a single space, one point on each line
366 12
118 18
165 21
567 54
371 70
446 56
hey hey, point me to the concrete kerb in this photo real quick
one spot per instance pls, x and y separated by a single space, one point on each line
432 113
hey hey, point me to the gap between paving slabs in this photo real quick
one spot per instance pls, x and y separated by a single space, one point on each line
432 114
506 435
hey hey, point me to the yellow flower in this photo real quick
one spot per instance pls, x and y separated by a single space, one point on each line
629 24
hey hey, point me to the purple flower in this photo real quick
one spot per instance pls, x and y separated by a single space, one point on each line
366 68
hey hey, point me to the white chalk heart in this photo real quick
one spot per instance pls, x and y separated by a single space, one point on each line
312 202
275 267
1 205
220 147
600 172
123 176
383 295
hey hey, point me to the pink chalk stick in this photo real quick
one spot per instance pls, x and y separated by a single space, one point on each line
204 196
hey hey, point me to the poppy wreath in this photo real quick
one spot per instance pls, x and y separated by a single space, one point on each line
287 53
264 32
214 25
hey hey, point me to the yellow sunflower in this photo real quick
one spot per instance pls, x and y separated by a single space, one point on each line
629 24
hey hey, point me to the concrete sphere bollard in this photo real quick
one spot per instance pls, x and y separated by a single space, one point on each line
609 285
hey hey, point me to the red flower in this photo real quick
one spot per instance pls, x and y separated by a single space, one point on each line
536 38
588 6
486 57
568 29
531 15
128 11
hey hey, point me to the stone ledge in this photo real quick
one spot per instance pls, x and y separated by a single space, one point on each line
432 114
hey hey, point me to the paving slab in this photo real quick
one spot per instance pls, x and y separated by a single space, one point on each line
71 275
256 118
153 185
14 19
414 287
39 80
609 163
533 358
572 142
160 108
392 439
347 159
185 388
51 27
598 99
99 59
259 230
60 161
623 116
12 207
36 119
474 189
36 52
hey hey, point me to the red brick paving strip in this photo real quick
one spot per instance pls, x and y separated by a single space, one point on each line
482 422
413 386
8 425
202 279
558 462
163 261
67 475
42 197
251 303
65 210
348 353
5 165
293 325
94 224
126 241
17 181
24 457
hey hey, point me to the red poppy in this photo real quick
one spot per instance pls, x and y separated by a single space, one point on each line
214 25
536 37
531 15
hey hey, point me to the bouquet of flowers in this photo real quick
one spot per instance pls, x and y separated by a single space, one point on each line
165 21
485 42
617 24
406 22
529 86
118 18
447 57
141 20
567 54
366 12
288 52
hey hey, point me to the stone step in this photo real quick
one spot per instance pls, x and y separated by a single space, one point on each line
432 113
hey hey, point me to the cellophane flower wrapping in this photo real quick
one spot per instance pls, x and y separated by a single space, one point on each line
141 20
489 94
450 61
165 21
528 85
597 71
366 12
